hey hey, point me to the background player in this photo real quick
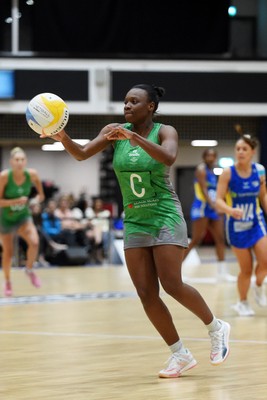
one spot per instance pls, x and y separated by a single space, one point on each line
240 192
204 216
15 215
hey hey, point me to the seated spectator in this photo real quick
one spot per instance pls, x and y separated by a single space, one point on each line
51 224
71 223
46 241
99 229
82 202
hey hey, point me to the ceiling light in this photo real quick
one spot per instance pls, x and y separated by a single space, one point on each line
204 143
82 142
58 146
232 10
226 162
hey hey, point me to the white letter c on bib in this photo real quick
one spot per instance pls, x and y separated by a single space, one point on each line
132 185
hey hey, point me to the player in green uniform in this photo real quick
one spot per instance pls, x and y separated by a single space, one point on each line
15 215
155 230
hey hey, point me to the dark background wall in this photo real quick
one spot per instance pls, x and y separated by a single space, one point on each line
121 29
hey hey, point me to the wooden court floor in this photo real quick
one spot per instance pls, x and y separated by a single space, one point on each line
84 336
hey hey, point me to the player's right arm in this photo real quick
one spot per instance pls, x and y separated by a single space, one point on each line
222 188
201 177
8 202
79 152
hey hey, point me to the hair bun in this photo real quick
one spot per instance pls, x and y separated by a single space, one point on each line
238 129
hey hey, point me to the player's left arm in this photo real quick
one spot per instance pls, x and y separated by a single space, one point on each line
201 176
262 192
38 185
165 152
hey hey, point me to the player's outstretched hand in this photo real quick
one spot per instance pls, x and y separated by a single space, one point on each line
58 137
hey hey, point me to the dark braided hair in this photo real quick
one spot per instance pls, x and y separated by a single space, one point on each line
154 93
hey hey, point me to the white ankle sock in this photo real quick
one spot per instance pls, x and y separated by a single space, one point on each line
177 347
214 326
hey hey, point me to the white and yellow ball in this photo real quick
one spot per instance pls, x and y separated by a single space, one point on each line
47 114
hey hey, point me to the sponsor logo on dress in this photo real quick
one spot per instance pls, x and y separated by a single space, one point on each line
134 155
20 190
255 183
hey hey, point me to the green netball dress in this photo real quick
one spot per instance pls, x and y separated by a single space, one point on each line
12 217
153 213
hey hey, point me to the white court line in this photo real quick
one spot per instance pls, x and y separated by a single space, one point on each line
210 280
110 336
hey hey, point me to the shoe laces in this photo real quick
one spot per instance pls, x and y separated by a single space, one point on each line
171 362
174 359
216 340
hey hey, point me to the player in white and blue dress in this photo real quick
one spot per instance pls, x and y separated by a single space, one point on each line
242 196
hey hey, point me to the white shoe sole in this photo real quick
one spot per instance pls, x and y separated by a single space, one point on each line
191 365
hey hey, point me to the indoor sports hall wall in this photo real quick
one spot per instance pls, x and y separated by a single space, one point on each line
93 91
75 177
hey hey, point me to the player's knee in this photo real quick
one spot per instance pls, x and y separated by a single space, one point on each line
34 242
196 240
172 287
146 295
246 273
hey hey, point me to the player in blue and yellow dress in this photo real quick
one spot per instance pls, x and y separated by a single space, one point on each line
204 215
241 192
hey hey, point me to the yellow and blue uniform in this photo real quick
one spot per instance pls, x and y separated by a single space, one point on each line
244 193
200 208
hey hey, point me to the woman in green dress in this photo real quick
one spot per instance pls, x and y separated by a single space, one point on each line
15 215
155 233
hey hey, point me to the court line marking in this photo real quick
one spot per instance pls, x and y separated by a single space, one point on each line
126 337
208 280
211 280
61 298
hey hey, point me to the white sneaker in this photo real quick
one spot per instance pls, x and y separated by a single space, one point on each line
243 309
259 295
220 343
177 364
230 278
226 278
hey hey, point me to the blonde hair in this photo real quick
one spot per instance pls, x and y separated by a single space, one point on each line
16 150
